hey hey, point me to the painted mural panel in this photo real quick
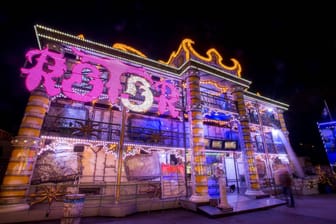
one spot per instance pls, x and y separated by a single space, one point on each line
59 164
143 167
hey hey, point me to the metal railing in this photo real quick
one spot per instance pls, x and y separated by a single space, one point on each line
217 102
104 188
95 130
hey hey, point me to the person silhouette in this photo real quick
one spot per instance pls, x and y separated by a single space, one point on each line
285 180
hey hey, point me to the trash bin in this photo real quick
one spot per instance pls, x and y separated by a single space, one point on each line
73 208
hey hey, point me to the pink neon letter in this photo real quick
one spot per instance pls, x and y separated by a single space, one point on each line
116 69
77 77
44 68
164 101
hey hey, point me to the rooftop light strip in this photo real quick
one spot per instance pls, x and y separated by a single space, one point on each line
38 39
217 69
285 106
101 45
98 142
217 75
173 75
138 53
74 37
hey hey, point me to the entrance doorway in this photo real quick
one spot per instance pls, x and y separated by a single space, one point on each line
226 162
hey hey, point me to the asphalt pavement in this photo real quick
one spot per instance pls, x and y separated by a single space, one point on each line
309 209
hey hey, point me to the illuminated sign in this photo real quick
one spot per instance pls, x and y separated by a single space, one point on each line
216 144
84 81
328 135
230 144
223 144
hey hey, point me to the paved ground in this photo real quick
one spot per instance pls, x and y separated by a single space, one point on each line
312 209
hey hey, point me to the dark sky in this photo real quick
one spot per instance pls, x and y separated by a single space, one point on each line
287 50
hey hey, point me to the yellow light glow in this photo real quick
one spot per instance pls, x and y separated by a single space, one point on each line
81 36
222 89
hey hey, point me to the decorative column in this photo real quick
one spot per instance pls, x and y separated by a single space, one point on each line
199 176
252 178
25 148
282 123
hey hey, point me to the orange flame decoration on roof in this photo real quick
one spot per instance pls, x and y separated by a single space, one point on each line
212 55
81 36
129 49
188 51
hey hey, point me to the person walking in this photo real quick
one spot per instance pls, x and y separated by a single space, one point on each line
286 181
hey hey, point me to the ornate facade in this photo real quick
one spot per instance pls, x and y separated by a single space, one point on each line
112 124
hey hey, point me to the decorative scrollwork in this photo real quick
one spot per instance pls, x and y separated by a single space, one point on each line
87 129
48 193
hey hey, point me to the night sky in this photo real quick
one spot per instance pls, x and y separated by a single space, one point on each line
287 51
